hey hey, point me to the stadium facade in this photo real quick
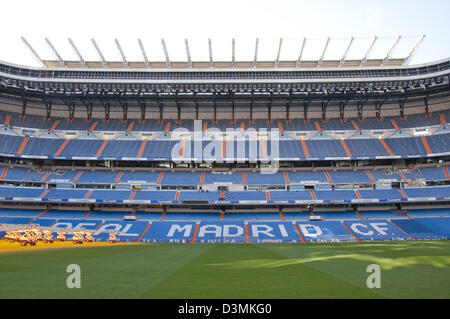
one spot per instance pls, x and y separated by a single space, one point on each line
240 151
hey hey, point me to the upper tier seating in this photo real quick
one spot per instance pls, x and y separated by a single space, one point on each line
433 173
181 178
442 191
348 176
382 194
153 125
318 149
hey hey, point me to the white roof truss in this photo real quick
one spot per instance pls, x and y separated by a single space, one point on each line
391 50
341 63
413 50
255 60
33 52
144 54
188 53
366 56
211 61
277 61
319 63
166 53
299 60
99 52
77 52
122 54
233 52
55 52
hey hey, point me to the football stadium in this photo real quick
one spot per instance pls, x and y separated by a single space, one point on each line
225 179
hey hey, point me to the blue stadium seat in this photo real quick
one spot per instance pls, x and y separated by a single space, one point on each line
15 220
416 229
140 176
191 216
148 215
21 192
440 226
307 176
290 195
252 216
375 230
200 196
330 215
296 215
110 215
211 178
181 178
366 147
10 212
324 231
440 191
433 173
349 176
55 193
436 212
265 179
164 196
97 177
272 232
220 232
110 195
158 231
381 194
66 214
16 174
81 148
340 195
374 214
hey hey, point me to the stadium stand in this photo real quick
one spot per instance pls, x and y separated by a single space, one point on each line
238 227
228 155
318 149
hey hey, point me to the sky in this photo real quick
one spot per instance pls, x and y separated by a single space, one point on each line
244 20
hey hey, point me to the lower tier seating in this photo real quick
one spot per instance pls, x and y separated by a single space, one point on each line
247 227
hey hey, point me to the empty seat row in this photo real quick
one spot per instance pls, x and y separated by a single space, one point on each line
245 178
333 124
348 195
288 149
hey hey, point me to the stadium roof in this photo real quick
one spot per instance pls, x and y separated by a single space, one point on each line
322 61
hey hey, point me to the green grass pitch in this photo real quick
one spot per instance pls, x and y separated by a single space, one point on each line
408 270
